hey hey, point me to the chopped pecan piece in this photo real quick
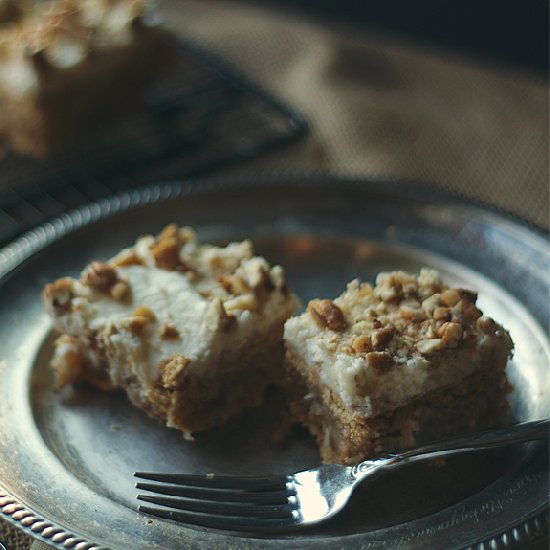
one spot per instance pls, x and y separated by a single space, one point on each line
376 323
381 336
361 344
168 331
172 370
264 286
450 333
143 311
467 295
450 297
470 312
141 316
242 302
327 314
227 321
100 275
234 284
380 361
60 295
442 314
166 253
486 324
170 231
412 314
125 259
120 290
430 346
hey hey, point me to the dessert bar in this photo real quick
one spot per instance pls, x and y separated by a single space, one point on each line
386 367
191 332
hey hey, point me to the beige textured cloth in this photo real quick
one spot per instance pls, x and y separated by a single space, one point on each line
382 109
388 110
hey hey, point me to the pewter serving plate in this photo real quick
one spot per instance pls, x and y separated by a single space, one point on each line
67 457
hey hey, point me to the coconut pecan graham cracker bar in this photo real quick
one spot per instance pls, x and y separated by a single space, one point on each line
383 368
191 332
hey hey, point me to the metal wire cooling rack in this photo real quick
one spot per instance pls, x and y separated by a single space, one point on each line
205 115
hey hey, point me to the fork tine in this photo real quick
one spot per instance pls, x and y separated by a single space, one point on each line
223 508
222 495
263 483
228 523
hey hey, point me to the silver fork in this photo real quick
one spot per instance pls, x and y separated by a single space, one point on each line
282 502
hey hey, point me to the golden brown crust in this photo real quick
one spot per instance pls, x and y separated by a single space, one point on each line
345 436
194 403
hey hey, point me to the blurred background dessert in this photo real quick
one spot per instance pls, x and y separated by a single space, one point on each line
70 66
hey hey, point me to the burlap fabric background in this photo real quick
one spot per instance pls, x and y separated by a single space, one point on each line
387 109
382 109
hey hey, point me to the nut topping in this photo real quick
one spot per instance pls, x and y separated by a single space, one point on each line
430 346
376 323
486 324
450 333
168 331
60 295
166 253
172 370
234 284
143 311
469 311
242 302
380 361
264 285
382 336
103 277
361 344
411 313
327 315
450 297
347 349
442 314
120 290
467 295
170 231
125 259
226 320
141 316
99 275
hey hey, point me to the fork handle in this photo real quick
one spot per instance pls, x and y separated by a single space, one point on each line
519 433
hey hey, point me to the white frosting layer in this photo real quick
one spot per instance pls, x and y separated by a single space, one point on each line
170 296
344 373
174 300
